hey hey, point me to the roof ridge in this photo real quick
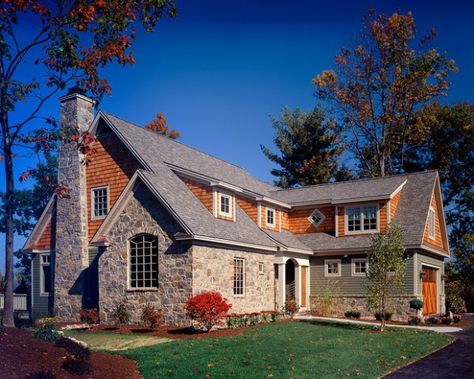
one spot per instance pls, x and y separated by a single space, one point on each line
189 147
357 180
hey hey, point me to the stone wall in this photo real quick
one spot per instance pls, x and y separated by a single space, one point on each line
71 253
399 306
144 214
213 270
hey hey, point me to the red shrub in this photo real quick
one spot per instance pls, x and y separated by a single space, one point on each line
207 308
151 317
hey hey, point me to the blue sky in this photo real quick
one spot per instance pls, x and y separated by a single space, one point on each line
220 68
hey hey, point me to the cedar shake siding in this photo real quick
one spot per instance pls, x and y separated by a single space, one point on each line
44 241
299 221
383 216
249 207
111 165
341 230
201 191
394 205
439 241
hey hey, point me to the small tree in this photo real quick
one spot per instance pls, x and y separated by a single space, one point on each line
207 308
386 272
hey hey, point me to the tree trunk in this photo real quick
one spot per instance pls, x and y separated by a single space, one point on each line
8 158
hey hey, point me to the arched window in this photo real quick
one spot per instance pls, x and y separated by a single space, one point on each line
143 261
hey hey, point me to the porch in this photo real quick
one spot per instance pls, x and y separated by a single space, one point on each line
292 281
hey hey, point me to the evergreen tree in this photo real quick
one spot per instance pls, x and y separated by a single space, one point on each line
309 149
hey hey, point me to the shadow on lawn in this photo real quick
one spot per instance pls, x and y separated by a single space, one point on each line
341 325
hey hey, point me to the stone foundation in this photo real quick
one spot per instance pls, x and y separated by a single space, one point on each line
399 306
144 214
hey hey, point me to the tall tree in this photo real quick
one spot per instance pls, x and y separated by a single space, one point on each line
68 42
309 149
160 125
386 261
379 85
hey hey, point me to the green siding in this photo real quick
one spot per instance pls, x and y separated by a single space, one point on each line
40 304
422 258
347 284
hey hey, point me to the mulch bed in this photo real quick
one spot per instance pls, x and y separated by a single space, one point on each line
168 331
22 355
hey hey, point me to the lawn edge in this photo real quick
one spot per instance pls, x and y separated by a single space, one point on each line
418 359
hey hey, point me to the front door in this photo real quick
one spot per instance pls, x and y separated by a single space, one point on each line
429 290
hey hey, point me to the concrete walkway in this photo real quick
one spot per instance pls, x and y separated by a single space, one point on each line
438 329
455 361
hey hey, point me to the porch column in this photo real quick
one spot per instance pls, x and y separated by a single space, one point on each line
298 285
281 285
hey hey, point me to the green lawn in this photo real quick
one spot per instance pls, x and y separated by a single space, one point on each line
289 350
114 341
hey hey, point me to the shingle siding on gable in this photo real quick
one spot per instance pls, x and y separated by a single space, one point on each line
438 242
44 242
394 205
249 207
111 165
299 222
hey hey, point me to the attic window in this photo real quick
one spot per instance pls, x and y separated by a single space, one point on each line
270 217
361 219
100 202
225 203
431 223
317 218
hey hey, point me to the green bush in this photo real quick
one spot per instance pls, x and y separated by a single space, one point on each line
432 320
352 314
414 321
416 304
47 332
388 316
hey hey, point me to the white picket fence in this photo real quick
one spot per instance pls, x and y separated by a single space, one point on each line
19 302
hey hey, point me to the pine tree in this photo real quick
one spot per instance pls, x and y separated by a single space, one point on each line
309 149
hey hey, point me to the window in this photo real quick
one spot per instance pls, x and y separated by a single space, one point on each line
317 217
239 279
359 267
431 223
260 267
332 267
225 203
361 218
45 274
143 262
100 202
270 217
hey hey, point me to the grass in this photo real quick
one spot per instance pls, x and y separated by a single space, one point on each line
289 350
114 341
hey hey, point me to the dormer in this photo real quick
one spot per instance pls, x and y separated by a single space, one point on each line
223 204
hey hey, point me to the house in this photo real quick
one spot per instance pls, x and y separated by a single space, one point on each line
151 220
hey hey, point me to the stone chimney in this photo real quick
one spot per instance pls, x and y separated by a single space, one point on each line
71 253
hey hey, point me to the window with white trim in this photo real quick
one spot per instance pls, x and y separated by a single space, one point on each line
361 219
317 217
332 267
260 267
225 205
431 224
239 276
100 202
270 217
143 262
359 266
45 274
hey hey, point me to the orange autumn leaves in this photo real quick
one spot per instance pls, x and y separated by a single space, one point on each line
160 125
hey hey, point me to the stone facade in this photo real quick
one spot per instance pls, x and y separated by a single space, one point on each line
71 250
399 306
213 270
144 214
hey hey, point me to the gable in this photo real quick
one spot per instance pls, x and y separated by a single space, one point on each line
299 222
112 165
440 240
45 239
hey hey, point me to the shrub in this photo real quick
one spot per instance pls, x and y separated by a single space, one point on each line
47 332
89 316
207 308
416 304
414 321
151 317
455 303
388 316
352 314
432 320
290 307
457 318
76 366
120 315
328 297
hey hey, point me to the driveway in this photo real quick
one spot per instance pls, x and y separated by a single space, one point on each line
454 361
